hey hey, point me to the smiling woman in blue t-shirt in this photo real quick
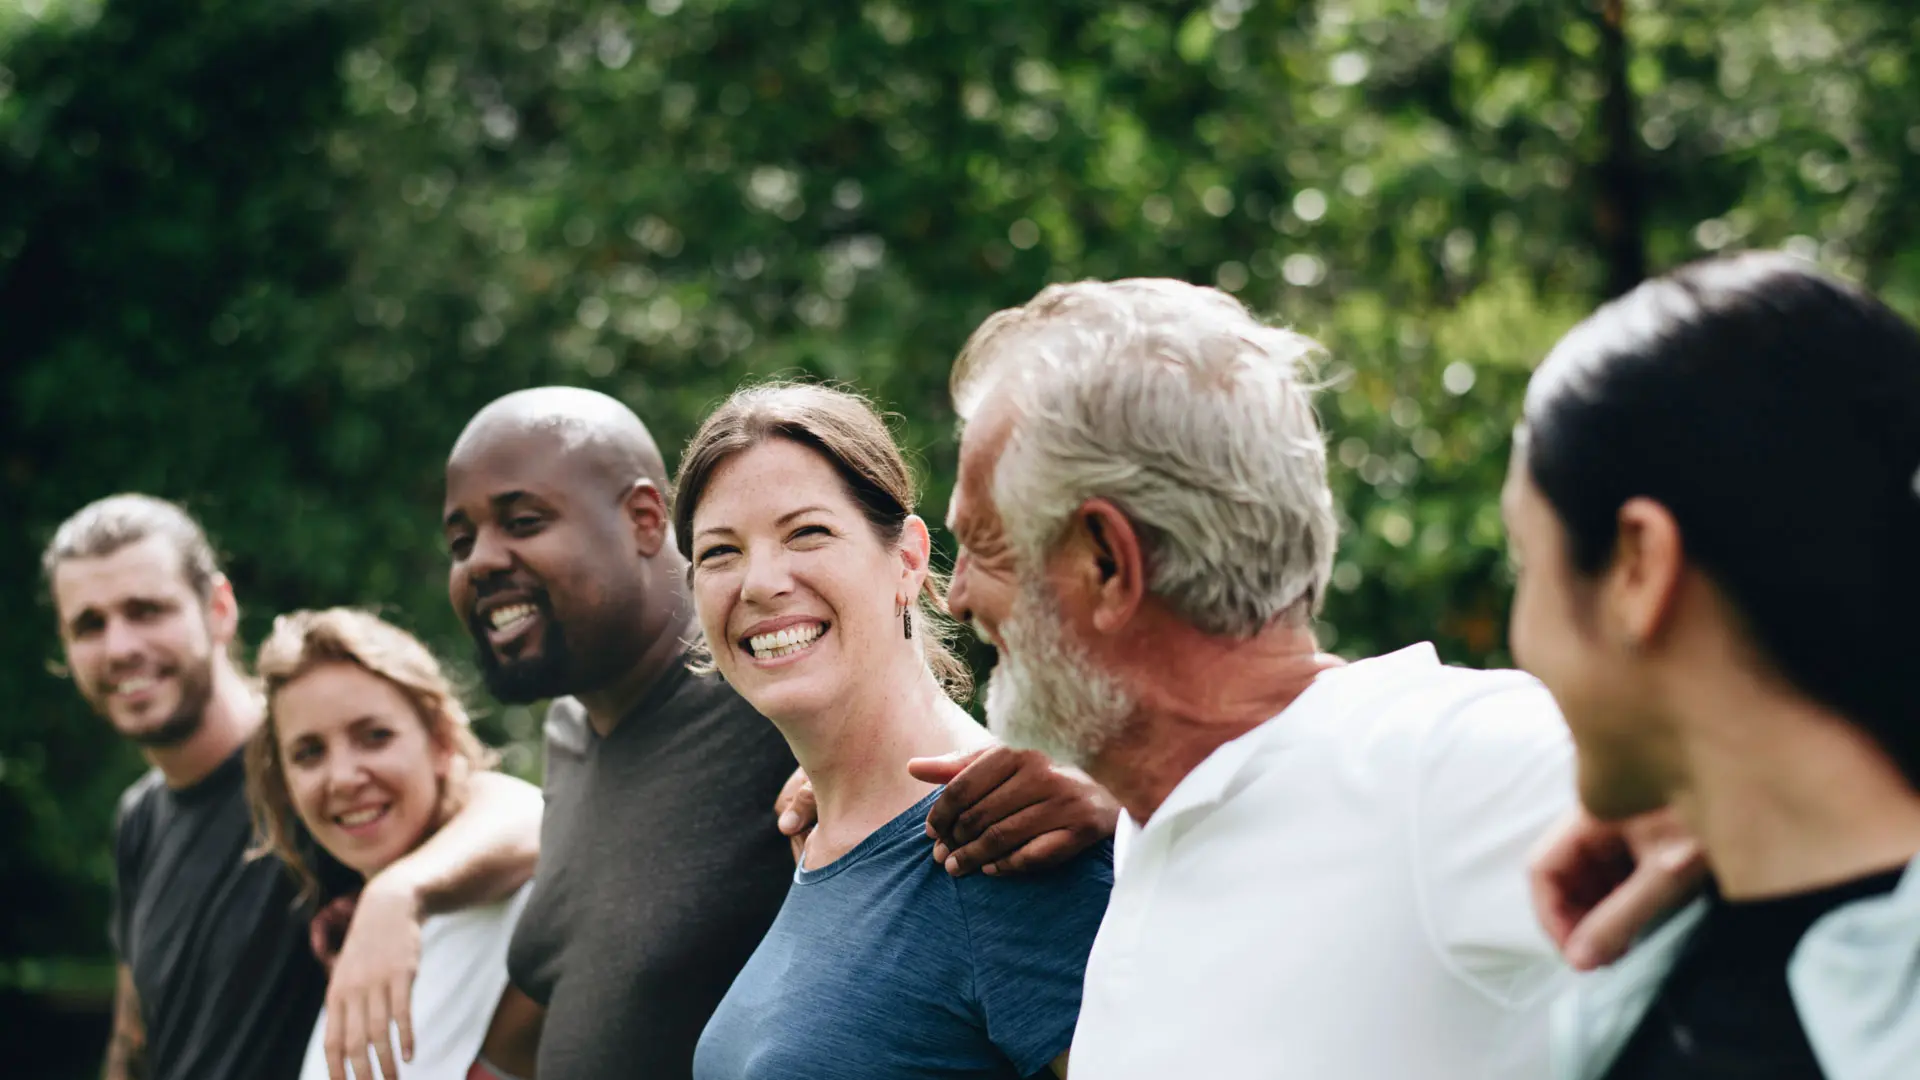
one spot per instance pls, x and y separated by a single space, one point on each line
816 600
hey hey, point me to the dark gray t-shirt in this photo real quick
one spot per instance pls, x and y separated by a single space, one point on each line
880 965
228 985
660 870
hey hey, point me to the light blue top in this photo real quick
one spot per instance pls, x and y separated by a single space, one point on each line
1855 980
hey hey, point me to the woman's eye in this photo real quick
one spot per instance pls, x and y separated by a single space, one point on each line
811 530
716 551
305 754
378 737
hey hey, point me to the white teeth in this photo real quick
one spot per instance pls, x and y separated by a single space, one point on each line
360 817
135 685
511 615
785 642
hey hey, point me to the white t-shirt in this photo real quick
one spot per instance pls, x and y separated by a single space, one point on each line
463 972
1341 894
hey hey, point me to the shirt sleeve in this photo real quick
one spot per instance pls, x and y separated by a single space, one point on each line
1030 935
1492 776
129 833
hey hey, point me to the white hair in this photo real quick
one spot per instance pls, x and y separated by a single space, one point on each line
1046 693
1194 418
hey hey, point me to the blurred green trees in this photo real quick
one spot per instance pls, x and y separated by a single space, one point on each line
267 259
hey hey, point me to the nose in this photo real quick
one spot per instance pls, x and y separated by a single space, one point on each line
345 773
767 578
959 587
490 554
121 640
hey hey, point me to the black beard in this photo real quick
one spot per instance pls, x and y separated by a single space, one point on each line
521 682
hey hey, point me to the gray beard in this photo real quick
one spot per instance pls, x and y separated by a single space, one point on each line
1046 693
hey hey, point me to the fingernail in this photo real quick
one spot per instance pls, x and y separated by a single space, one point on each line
939 853
953 866
991 869
789 821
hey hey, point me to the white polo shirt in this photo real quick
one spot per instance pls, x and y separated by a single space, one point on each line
1341 893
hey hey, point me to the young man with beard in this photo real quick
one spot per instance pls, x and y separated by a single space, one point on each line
661 868
1321 871
217 977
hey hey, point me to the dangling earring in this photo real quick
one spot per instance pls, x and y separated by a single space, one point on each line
906 620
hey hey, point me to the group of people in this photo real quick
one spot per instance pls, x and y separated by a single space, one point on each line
773 843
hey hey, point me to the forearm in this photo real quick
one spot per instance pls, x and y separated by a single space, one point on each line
486 852
127 1046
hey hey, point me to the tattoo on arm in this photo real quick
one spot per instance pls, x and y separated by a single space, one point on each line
127 1048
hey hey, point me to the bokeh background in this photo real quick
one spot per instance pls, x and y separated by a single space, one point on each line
266 258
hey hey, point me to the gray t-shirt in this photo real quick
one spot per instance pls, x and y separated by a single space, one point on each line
660 870
228 985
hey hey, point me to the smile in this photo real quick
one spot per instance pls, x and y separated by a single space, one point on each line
139 684
784 643
357 819
511 616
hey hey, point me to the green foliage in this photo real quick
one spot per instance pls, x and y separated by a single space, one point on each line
267 259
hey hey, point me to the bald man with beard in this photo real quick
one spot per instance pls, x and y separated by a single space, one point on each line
660 866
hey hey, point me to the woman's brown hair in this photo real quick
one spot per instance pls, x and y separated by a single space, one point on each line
843 428
304 640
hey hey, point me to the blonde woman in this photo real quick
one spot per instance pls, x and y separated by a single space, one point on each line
367 751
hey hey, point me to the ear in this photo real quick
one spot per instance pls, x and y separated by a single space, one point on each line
916 548
1104 559
223 612
1639 590
646 510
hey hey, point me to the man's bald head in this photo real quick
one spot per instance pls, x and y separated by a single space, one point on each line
594 432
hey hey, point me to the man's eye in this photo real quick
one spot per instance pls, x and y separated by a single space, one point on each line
523 523
460 546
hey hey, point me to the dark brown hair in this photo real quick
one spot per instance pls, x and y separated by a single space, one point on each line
843 428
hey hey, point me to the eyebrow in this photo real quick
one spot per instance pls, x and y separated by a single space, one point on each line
505 498
781 520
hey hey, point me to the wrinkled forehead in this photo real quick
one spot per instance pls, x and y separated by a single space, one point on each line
983 445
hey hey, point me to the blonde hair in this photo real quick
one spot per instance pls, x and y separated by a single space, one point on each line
846 430
304 640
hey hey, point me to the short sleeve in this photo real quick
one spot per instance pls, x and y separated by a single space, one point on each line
1030 935
129 842
1493 775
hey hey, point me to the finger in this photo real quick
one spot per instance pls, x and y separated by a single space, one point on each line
940 852
1022 792
1002 839
354 1037
336 1039
403 1015
942 769
1047 849
799 811
985 773
1607 931
378 1039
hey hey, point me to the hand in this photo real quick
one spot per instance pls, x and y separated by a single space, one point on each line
371 989
797 812
328 930
1597 885
1007 811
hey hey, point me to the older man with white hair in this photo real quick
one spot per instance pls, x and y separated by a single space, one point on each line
1321 868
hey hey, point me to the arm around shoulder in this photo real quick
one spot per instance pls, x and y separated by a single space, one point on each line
127 1046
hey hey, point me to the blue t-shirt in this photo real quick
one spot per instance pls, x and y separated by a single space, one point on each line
881 965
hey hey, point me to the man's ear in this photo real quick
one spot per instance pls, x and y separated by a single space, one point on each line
1640 588
223 612
1108 563
646 509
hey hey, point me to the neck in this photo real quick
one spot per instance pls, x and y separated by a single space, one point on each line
1204 692
232 715
856 756
666 647
1785 796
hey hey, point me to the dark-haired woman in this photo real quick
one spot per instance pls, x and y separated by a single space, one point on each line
1714 503
816 601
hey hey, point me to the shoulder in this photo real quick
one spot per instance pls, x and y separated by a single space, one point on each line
133 817
566 726
1038 902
